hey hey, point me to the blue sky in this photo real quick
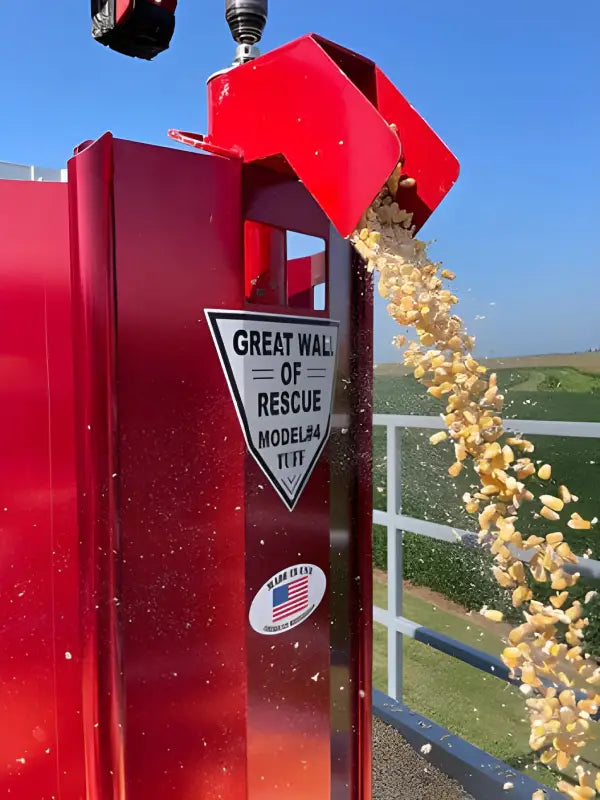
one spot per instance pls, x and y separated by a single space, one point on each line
513 88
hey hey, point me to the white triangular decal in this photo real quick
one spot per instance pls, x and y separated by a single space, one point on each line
280 371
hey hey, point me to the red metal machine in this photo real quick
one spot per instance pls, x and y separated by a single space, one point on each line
186 478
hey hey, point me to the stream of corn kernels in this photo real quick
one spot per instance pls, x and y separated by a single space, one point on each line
442 361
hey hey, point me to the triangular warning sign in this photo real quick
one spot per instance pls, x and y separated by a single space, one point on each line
280 371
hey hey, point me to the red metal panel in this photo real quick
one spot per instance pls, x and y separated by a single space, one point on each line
264 263
303 274
426 157
296 102
314 109
161 483
91 224
288 674
39 666
178 250
182 698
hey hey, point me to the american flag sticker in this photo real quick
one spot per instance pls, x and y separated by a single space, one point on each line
290 599
287 599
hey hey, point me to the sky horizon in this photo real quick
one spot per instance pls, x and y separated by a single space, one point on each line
512 89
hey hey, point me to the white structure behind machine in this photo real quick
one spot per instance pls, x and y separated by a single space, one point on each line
29 172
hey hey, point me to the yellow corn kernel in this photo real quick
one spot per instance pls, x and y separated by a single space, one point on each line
546 758
494 616
455 469
438 437
554 539
564 494
528 675
562 760
578 523
448 274
567 698
522 594
502 578
548 513
544 472
558 600
363 251
555 503
490 490
526 471
564 551
492 450
517 634
576 792
532 541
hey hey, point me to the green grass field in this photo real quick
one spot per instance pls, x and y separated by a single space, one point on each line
550 393
482 709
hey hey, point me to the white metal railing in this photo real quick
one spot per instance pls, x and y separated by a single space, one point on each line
29 172
396 522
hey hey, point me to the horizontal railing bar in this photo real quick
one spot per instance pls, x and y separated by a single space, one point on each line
583 430
587 567
434 530
454 648
445 644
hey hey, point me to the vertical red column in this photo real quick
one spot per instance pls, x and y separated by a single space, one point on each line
40 739
161 478
222 652
288 672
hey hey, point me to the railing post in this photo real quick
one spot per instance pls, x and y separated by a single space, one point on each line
394 558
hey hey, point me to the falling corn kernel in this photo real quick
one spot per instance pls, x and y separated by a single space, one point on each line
544 472
578 523
555 503
564 494
416 297
493 616
438 437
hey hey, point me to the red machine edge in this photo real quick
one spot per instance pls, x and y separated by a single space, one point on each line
323 113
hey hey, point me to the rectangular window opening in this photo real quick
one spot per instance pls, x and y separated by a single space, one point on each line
284 268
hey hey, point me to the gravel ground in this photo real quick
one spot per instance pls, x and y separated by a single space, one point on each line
400 772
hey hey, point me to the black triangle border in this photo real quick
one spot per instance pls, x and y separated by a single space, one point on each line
212 316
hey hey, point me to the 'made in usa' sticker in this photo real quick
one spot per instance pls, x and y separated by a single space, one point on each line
287 599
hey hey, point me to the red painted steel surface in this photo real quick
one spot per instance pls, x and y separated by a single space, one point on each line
303 274
426 157
97 456
288 675
264 263
324 112
181 697
163 483
40 750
